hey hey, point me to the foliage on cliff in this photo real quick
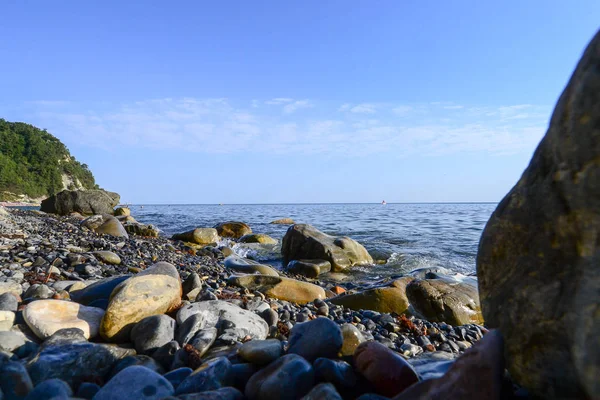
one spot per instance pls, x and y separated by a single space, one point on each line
36 164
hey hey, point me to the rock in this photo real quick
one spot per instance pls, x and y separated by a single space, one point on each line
283 221
261 352
214 312
11 287
382 299
108 257
152 332
431 365
11 341
212 375
538 257
125 211
303 241
135 228
161 268
36 291
15 383
178 375
135 299
85 202
8 302
73 361
352 338
477 374
257 238
198 236
165 355
87 390
340 374
247 266
226 393
288 377
280 288
386 370
100 290
320 337
233 229
309 268
112 226
323 391
50 389
136 383
204 339
45 317
7 319
188 329
135 360
192 285
439 301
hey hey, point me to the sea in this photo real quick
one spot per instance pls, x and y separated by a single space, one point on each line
403 236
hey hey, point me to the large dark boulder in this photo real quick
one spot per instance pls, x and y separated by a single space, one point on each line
87 202
539 256
303 241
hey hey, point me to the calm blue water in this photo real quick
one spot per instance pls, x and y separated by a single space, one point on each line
409 236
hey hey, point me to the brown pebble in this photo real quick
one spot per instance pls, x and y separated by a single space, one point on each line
338 289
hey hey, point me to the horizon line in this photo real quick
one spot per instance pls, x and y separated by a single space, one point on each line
322 203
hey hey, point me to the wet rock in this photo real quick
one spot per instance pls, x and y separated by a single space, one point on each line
439 301
50 389
309 268
280 288
323 391
384 299
85 202
15 383
538 257
247 266
233 229
136 383
212 375
261 352
320 337
108 257
8 302
45 317
152 332
283 221
352 338
303 241
477 374
198 236
100 290
257 238
289 377
388 372
214 312
135 299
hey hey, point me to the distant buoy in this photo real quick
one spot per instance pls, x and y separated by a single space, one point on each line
383 203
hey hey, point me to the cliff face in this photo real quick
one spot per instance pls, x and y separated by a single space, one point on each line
34 164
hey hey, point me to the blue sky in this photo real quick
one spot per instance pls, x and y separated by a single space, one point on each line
293 101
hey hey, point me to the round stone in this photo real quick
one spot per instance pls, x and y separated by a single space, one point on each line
261 352
289 377
352 339
45 317
320 337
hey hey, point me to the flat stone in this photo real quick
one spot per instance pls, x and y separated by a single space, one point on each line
198 236
288 377
283 221
7 319
11 287
136 383
212 375
309 268
320 337
280 288
261 352
247 266
152 332
257 238
135 299
108 257
387 371
45 317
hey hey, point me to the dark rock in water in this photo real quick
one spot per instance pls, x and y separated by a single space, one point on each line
165 355
87 202
198 236
257 238
136 383
152 332
87 390
178 375
439 301
289 377
15 383
233 229
303 241
477 374
8 302
323 391
212 375
226 393
538 257
320 337
309 268
283 221
387 371
136 360
100 290
50 389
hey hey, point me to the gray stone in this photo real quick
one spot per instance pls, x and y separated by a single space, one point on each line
320 337
152 332
165 355
188 329
212 375
85 202
136 383
38 292
161 268
309 268
261 352
108 257
11 287
203 339
192 283
248 266
198 236
15 383
538 257
11 341
289 377
8 302
52 389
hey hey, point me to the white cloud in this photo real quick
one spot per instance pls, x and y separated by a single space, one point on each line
454 107
296 105
364 108
279 101
402 110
